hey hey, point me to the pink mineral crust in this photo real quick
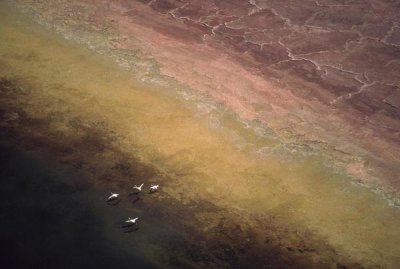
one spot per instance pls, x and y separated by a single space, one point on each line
327 71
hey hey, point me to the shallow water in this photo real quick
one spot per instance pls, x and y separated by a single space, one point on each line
199 155
49 222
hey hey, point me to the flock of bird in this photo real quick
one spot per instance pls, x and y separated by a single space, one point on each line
114 196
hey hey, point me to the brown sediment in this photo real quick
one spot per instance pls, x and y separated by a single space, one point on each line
209 236
284 63
89 114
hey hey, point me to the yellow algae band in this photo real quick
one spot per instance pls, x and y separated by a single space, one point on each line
65 82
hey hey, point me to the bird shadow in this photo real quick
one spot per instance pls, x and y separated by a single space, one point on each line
135 200
113 202
134 193
131 230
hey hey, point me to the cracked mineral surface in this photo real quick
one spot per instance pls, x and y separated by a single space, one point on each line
304 76
283 63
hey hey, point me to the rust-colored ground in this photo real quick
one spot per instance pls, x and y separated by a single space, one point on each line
319 72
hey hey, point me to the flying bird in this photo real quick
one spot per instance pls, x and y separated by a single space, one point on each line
138 188
154 188
113 196
131 221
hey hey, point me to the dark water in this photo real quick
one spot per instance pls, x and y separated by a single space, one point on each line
47 221
59 99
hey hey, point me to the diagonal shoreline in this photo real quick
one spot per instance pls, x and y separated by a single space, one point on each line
84 142
79 127
257 240
361 144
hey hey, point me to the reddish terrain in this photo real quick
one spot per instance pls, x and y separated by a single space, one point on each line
321 72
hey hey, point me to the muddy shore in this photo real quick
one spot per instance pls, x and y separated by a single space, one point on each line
227 238
281 63
61 131
223 204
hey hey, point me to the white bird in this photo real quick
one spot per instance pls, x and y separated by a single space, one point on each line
139 188
154 187
131 221
113 196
